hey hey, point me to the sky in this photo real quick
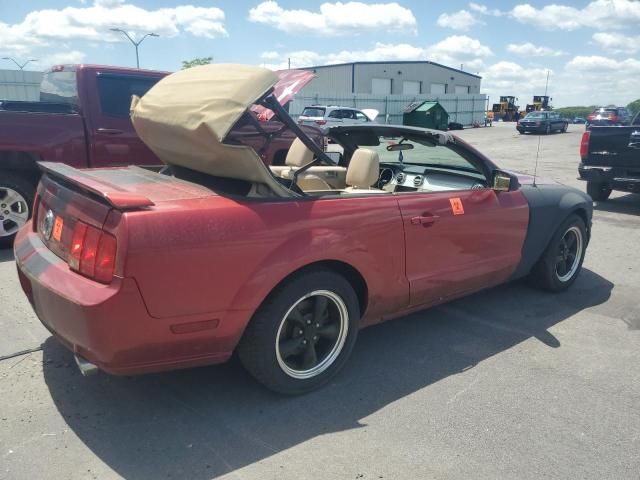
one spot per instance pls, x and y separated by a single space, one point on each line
590 48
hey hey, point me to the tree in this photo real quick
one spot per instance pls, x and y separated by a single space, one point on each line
577 111
634 107
196 62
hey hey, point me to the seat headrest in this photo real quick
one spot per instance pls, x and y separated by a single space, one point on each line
364 168
298 154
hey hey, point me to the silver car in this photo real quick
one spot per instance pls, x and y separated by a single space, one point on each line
325 116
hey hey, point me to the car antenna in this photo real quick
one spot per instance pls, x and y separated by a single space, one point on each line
535 169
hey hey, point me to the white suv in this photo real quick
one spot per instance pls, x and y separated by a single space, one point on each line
326 116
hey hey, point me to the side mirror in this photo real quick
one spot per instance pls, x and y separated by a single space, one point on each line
504 182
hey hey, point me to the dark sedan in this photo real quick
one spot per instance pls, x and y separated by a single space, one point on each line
542 122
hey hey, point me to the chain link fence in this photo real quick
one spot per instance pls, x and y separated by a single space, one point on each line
464 109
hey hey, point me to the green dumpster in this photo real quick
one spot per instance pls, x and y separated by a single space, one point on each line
426 115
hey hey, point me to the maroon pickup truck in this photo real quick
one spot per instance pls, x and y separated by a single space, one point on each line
82 119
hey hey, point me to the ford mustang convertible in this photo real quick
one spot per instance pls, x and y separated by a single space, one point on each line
136 271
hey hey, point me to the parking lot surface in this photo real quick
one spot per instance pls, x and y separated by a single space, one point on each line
507 383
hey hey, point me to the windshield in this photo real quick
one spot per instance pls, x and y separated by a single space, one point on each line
59 87
424 152
536 115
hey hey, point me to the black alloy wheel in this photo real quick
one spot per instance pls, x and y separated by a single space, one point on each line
303 333
561 262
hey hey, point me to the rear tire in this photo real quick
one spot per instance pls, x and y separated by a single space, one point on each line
303 333
16 204
561 262
598 191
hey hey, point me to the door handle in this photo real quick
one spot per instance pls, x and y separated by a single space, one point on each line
424 220
110 131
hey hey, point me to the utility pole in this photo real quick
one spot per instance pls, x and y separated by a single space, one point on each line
135 44
21 67
289 59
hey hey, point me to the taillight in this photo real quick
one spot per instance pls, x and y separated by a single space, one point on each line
584 144
321 122
92 253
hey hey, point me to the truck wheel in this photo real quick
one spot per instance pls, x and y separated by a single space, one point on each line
598 191
303 333
565 127
16 199
561 262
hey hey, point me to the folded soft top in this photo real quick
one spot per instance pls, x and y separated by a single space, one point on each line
186 116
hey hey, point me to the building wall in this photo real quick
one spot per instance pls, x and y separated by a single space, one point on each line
425 73
331 79
20 85
338 79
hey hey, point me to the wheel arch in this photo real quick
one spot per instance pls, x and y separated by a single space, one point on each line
549 206
349 272
24 164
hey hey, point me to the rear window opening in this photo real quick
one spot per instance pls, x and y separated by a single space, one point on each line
59 87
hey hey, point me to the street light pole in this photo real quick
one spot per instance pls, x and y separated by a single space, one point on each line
135 44
21 67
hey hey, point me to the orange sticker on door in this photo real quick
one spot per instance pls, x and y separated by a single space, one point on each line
456 206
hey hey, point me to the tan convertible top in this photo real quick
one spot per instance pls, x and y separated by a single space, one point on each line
186 116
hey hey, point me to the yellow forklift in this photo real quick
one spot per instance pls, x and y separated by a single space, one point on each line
506 109
540 103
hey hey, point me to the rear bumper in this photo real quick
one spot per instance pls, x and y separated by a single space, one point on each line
617 178
109 325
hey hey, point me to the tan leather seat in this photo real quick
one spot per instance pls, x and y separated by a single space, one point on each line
363 171
315 178
298 154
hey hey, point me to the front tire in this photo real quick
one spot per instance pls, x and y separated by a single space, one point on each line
16 200
561 262
598 191
303 333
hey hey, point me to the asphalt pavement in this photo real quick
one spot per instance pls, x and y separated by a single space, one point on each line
508 383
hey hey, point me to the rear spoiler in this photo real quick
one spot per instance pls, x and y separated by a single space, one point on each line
114 195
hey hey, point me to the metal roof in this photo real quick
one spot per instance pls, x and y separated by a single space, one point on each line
393 62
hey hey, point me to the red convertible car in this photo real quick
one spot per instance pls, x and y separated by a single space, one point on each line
136 271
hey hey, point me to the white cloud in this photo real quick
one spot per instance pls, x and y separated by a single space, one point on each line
530 50
462 20
40 28
460 49
508 78
598 14
483 9
452 51
74 56
617 43
600 80
336 18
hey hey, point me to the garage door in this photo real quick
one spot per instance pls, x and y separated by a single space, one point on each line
410 87
438 88
381 86
460 90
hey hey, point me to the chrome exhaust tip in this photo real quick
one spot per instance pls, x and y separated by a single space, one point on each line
86 367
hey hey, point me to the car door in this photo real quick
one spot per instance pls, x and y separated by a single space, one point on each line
460 241
334 117
114 141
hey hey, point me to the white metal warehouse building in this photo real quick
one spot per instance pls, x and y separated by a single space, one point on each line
390 86
22 85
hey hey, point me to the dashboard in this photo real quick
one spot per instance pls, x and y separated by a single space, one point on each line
413 178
